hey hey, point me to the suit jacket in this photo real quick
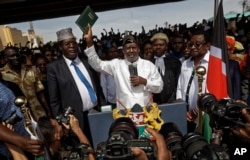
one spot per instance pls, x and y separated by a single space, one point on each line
234 69
63 91
170 80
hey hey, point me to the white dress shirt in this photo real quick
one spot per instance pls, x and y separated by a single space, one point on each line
186 72
159 63
86 100
125 93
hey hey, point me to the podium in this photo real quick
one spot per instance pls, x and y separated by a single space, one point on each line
100 122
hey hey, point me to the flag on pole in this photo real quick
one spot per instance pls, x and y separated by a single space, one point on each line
217 82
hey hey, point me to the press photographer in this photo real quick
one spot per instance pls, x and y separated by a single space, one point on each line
123 135
230 120
191 146
54 130
224 113
123 143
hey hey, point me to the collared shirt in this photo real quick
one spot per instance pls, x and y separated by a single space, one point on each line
159 63
125 93
108 87
80 85
8 108
186 72
30 85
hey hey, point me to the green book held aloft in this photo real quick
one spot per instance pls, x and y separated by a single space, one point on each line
87 16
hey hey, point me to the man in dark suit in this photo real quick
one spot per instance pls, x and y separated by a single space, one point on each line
65 85
168 66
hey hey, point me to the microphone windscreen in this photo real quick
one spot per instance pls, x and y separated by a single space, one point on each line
132 70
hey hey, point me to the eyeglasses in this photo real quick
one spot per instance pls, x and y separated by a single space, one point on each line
196 44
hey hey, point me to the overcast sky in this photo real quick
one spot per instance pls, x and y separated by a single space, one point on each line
188 11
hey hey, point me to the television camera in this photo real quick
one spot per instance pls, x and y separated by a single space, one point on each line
224 113
123 135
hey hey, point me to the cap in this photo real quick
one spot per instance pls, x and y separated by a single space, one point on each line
162 36
128 39
64 34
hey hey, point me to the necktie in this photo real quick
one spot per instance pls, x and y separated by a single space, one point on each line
85 82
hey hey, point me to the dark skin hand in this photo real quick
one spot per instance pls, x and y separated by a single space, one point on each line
137 80
244 132
139 154
162 151
89 37
33 146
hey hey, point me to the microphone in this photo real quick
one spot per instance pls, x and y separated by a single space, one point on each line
132 70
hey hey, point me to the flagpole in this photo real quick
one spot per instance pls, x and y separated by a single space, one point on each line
219 37
218 75
216 5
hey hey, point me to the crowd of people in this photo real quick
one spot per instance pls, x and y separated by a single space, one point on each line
118 70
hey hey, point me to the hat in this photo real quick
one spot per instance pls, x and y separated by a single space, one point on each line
128 39
162 36
239 48
64 34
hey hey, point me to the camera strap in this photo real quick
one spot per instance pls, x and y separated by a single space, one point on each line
188 89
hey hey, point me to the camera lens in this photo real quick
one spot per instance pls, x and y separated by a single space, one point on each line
125 125
206 102
192 144
121 130
173 137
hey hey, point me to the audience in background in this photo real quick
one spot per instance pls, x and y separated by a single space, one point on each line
161 45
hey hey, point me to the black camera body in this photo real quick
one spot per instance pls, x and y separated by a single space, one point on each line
118 150
191 146
64 116
80 152
195 147
123 136
224 113
173 138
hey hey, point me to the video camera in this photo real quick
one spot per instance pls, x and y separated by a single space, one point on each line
64 116
191 146
123 135
79 152
224 113
69 140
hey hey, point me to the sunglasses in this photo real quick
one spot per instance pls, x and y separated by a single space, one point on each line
196 44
